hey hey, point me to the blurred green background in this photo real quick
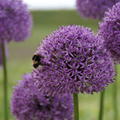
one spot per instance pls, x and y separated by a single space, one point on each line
20 54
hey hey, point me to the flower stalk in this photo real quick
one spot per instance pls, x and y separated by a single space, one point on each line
76 106
5 81
101 110
115 102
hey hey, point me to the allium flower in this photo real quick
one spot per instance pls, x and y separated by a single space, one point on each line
110 31
29 104
73 60
15 20
94 8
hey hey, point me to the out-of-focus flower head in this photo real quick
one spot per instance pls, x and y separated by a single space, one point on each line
73 60
15 20
29 104
110 31
94 8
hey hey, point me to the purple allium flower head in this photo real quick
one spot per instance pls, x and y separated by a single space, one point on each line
15 20
73 60
94 8
110 31
29 104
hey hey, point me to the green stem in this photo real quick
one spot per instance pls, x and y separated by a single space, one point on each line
115 102
101 111
76 106
5 80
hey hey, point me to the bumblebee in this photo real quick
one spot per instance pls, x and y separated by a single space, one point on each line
37 60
